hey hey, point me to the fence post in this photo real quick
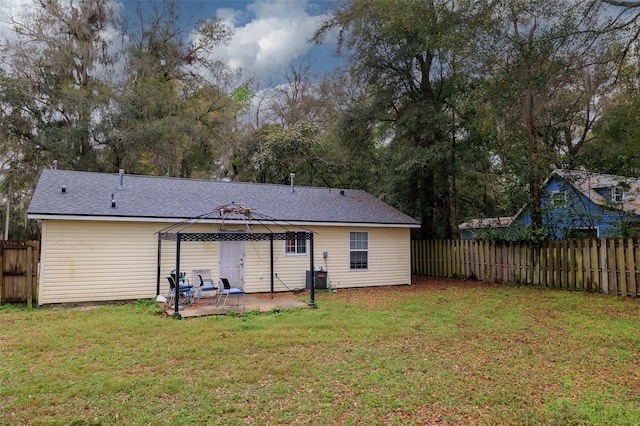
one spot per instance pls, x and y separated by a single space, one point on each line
29 277
1 273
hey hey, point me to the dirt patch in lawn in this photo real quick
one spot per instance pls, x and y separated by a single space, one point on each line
419 285
429 284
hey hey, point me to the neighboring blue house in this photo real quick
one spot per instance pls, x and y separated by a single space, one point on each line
578 204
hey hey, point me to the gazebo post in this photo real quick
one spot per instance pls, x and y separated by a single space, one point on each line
176 313
312 301
159 265
271 262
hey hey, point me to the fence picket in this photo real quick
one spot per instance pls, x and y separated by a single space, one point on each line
611 266
631 268
570 264
542 256
636 262
620 267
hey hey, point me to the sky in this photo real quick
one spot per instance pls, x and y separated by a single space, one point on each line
268 34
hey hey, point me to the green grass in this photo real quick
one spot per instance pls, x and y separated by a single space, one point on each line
453 355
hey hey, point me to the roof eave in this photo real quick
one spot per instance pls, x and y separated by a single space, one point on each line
110 218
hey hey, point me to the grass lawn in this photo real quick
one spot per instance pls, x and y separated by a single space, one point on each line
436 352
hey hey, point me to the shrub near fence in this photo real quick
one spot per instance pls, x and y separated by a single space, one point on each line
603 265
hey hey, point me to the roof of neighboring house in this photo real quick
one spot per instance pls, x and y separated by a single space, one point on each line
490 222
89 195
588 183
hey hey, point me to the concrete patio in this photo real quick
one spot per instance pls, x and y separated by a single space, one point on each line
261 302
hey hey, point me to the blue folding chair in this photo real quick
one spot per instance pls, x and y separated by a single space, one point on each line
185 292
228 290
203 283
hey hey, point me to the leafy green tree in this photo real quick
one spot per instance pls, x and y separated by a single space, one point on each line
52 91
404 55
615 143
545 69
170 111
292 150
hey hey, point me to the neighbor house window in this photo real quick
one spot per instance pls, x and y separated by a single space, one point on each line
359 250
618 194
558 199
296 243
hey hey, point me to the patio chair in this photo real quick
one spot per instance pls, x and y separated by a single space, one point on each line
185 291
227 290
202 281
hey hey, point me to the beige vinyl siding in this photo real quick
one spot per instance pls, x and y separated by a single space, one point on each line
87 261
102 261
389 257
96 261
389 260
290 268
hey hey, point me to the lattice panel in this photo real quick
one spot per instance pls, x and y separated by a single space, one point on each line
233 236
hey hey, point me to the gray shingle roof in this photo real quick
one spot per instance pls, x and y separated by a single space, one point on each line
148 197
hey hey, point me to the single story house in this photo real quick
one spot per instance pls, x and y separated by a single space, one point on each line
109 237
579 204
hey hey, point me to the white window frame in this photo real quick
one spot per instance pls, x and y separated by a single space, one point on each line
358 245
618 194
295 246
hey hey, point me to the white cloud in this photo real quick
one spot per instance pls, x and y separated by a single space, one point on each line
268 34
275 33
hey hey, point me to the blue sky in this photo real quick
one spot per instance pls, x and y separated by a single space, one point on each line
268 34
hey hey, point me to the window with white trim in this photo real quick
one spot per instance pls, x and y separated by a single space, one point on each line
358 250
296 243
618 194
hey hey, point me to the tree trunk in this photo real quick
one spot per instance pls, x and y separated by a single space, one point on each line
536 215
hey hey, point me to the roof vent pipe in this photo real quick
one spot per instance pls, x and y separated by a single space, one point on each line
293 177
113 201
55 164
64 188
121 185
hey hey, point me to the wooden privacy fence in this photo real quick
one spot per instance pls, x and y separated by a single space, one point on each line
603 265
19 271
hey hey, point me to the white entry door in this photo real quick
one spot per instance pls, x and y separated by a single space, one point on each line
231 262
